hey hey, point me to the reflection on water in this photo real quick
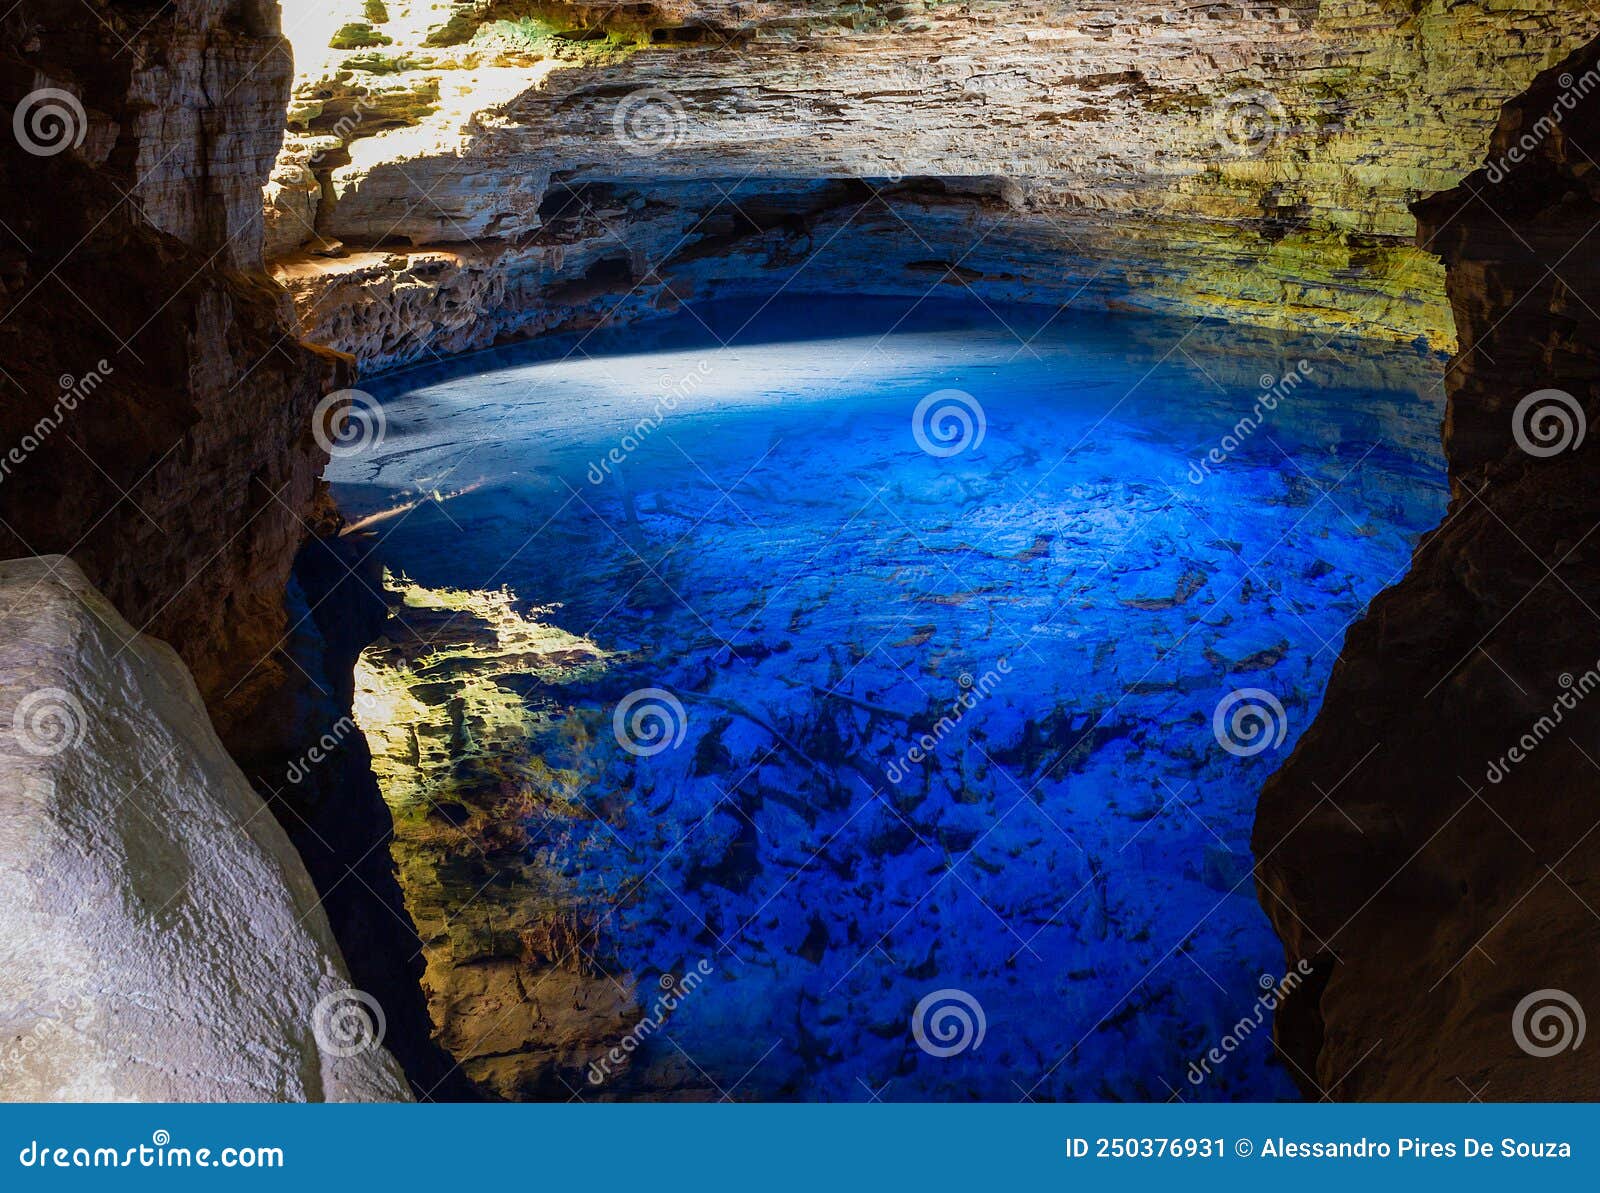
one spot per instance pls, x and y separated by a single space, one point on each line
907 692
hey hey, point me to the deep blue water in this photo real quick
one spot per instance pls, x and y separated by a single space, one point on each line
782 559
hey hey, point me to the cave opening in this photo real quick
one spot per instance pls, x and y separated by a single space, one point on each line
758 673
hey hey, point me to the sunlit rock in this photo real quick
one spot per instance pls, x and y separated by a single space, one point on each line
1250 162
159 937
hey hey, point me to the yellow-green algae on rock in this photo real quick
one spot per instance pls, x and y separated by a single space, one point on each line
461 705
1251 163
1315 228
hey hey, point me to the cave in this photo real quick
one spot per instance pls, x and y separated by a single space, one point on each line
799 551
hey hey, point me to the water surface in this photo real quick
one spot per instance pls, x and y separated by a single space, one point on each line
930 701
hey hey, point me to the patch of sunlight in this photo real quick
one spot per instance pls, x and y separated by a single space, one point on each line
462 674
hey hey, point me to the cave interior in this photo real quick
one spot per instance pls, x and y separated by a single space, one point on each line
799 550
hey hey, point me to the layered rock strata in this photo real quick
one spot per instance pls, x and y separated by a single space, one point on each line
496 170
160 939
1433 844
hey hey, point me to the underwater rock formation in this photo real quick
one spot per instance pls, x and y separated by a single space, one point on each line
940 722
1432 844
504 169
467 755
160 939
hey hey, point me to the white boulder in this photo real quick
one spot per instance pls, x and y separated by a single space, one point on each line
159 937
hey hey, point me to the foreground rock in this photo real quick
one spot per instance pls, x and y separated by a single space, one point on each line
1433 845
159 938
160 411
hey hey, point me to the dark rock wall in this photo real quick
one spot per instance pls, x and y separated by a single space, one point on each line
1434 841
156 410
182 479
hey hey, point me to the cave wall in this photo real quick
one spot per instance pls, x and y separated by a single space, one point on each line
156 418
181 472
182 477
1433 843
542 164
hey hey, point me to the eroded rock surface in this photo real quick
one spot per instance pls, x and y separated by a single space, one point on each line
157 416
461 701
1434 842
495 170
160 939
158 410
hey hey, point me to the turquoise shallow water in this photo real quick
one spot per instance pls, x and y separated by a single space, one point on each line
966 639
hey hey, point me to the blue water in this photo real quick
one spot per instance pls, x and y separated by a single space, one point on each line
777 556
